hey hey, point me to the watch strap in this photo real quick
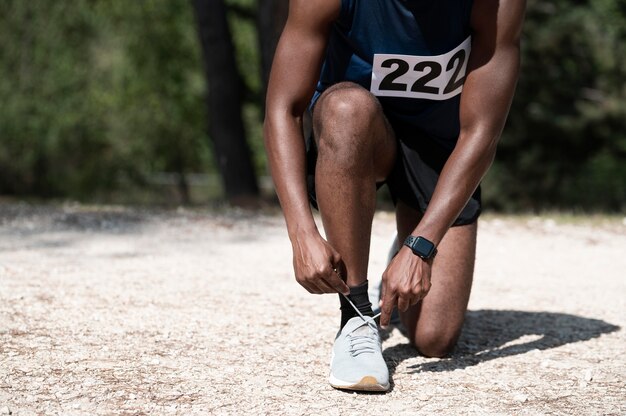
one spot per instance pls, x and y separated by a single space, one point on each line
410 240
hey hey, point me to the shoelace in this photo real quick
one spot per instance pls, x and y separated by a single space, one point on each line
363 343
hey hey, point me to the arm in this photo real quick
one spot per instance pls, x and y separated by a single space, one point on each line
487 94
294 74
485 103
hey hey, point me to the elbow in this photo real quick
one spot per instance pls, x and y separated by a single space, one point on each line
279 124
270 125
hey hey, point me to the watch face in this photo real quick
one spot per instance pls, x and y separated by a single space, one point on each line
423 246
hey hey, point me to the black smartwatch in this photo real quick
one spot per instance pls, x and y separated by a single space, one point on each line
421 247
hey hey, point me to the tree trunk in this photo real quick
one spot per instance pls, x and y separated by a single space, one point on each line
226 129
272 15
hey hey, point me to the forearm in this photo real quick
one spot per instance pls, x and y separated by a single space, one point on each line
458 180
285 148
485 101
295 71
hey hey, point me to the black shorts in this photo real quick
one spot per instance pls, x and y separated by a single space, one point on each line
413 177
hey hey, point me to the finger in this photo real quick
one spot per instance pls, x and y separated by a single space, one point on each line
404 303
387 306
338 285
415 300
335 258
386 311
427 287
310 288
323 286
423 291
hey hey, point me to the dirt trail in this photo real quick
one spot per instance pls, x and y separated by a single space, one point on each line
124 311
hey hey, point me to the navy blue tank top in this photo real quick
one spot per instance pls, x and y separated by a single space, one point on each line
417 50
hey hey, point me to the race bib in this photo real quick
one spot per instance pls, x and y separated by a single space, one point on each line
431 77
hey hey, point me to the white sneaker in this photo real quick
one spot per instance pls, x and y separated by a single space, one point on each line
357 361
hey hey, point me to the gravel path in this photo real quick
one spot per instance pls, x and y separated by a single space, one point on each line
107 310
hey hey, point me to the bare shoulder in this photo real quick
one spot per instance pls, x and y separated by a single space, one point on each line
502 19
314 13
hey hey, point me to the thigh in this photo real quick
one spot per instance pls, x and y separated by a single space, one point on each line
435 323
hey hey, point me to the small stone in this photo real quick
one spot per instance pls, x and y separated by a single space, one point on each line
588 376
522 398
89 382
132 396
4 410
155 361
423 397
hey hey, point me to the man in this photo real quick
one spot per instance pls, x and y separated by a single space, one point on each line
413 94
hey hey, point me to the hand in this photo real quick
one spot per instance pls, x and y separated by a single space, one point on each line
405 282
315 264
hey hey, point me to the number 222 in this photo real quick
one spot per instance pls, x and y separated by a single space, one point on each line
421 84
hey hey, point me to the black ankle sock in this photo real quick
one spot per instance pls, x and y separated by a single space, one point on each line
358 296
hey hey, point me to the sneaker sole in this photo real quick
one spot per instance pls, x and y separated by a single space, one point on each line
367 383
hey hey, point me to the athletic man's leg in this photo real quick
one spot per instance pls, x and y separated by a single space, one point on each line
435 323
356 148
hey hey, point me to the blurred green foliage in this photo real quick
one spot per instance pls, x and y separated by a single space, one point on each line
98 95
564 145
102 95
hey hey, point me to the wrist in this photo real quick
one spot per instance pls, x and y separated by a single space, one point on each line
430 230
301 229
421 247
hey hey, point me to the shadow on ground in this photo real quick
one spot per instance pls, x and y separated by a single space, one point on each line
492 334
35 227
33 219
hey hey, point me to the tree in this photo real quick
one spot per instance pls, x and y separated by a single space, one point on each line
224 100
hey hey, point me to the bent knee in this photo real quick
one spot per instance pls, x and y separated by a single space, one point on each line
346 105
435 343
